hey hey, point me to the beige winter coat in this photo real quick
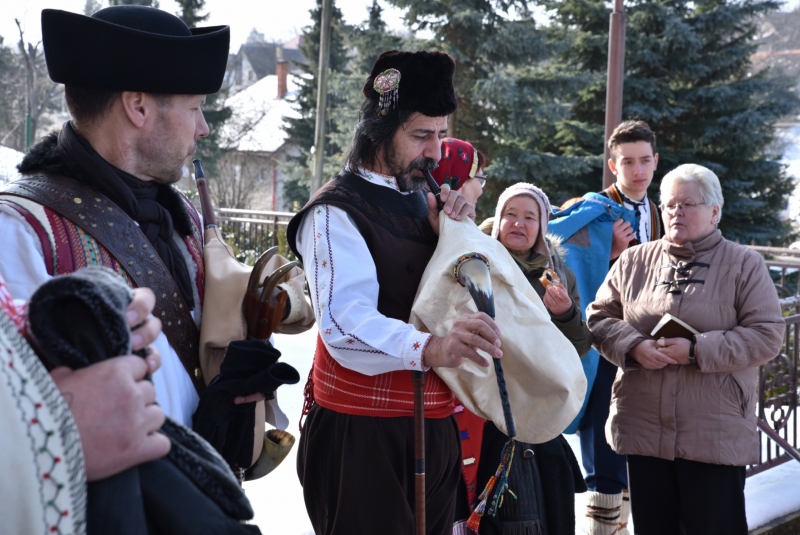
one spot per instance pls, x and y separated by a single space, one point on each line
706 412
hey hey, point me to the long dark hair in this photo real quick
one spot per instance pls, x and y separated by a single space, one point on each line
372 133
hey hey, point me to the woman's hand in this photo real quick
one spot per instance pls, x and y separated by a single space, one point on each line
557 300
649 357
676 348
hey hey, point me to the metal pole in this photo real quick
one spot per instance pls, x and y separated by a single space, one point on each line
615 80
322 94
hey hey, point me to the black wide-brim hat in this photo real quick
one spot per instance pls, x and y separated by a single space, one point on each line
134 48
426 81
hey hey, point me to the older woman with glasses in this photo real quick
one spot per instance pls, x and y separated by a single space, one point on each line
683 409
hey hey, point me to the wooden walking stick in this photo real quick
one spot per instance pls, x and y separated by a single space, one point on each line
419 415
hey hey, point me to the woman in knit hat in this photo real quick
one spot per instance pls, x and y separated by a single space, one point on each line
461 167
544 477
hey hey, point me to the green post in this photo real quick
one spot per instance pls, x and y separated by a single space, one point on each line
27 131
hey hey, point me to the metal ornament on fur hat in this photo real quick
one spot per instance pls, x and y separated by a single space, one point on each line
427 85
387 84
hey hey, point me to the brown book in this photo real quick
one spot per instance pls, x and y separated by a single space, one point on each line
671 327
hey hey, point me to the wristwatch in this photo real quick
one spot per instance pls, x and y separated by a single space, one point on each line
692 359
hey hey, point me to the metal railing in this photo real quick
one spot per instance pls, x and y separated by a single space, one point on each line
251 232
778 379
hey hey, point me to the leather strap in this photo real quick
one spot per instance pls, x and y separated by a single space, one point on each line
113 229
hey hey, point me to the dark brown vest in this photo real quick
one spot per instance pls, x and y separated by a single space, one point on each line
395 228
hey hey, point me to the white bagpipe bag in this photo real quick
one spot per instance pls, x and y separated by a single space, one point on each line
545 379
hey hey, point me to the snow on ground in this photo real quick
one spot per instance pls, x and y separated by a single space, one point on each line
278 498
9 158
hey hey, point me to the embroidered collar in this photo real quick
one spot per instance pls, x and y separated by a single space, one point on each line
376 178
642 209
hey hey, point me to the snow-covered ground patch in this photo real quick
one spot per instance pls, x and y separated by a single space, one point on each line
9 158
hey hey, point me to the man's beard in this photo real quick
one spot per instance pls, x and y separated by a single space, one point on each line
407 180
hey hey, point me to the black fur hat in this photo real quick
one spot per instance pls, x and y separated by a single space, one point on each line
134 48
425 85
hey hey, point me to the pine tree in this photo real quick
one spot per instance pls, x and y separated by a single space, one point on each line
371 40
301 130
12 99
365 42
209 149
190 12
509 94
688 75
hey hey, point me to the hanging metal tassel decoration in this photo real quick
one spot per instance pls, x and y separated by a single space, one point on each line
387 85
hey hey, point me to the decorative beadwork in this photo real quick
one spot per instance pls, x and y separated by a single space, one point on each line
464 257
387 84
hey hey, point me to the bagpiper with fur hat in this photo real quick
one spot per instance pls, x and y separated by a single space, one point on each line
366 237
100 191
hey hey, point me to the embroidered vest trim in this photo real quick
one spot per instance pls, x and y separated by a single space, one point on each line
71 246
655 215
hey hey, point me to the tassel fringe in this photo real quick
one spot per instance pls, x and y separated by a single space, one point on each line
491 499
308 397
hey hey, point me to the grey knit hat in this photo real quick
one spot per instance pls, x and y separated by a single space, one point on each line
523 188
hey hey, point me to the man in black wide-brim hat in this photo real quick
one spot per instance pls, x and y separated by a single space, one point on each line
134 80
100 190
366 237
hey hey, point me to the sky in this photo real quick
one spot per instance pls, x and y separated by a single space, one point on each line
277 20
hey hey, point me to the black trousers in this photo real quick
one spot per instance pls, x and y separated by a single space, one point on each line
683 497
357 473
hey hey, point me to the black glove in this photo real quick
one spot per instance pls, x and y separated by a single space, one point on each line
249 367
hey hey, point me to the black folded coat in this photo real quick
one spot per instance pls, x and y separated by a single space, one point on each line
79 319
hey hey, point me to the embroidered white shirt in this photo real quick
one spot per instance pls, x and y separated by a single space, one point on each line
344 288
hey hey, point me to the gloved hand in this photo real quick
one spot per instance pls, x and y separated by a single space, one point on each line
249 367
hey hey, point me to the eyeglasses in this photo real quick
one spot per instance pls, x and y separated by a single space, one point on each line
682 206
481 180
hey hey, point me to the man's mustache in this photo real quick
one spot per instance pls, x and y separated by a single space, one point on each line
423 164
